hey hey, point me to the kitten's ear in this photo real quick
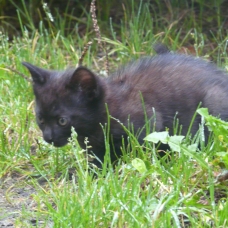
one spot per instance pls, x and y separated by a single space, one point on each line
39 75
161 48
86 81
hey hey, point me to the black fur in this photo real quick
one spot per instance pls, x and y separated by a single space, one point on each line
169 83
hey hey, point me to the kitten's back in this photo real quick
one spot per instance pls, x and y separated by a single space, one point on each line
170 83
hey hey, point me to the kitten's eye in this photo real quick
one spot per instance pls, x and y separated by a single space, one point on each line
40 120
62 121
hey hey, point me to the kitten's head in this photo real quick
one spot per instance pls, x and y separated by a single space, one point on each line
71 98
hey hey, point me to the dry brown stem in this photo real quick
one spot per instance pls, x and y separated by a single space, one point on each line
84 52
96 28
19 73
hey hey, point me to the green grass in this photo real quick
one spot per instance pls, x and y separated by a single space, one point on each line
142 191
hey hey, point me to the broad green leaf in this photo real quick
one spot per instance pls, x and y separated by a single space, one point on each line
155 137
221 154
175 141
193 147
203 112
197 156
139 165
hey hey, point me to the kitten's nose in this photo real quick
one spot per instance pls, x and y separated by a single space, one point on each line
47 134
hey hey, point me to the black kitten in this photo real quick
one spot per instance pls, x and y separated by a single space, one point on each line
169 83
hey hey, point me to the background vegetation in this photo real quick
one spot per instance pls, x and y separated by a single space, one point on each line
54 187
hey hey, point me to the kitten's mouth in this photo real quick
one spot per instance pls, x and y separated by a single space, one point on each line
56 141
59 143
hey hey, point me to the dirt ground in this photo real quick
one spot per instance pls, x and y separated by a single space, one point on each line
15 196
